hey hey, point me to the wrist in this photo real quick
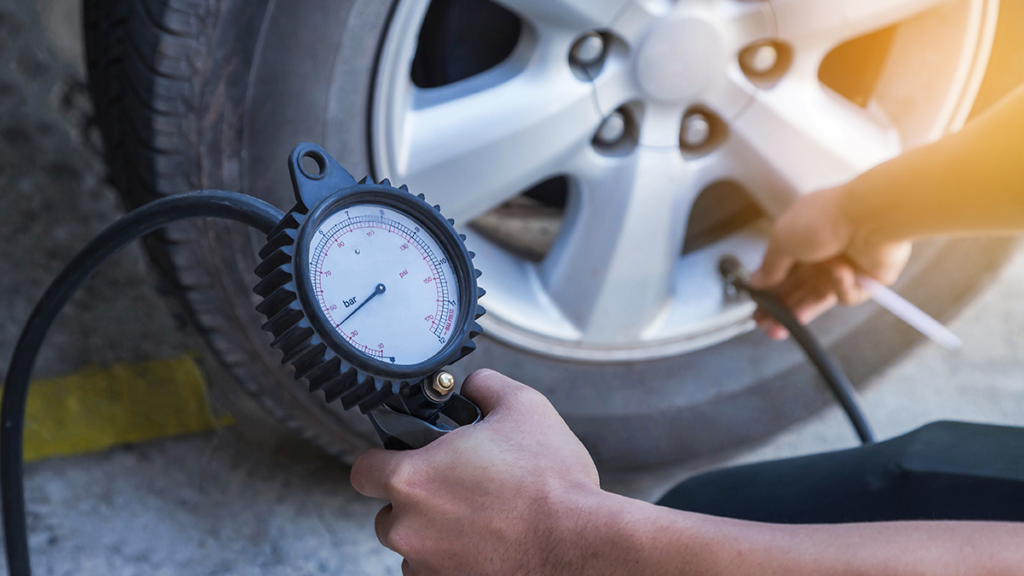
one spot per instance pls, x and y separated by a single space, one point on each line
612 535
579 520
865 207
844 217
854 218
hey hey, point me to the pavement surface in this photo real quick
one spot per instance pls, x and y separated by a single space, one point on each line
230 503
253 500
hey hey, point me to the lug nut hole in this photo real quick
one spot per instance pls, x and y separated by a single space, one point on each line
588 50
764 62
589 53
619 132
701 131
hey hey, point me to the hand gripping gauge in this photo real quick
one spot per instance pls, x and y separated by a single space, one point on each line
370 293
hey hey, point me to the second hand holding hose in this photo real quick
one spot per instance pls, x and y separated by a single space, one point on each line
734 274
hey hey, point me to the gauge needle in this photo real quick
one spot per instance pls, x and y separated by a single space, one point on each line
378 290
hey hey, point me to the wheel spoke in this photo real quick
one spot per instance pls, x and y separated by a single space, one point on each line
576 15
611 270
824 24
659 127
808 138
472 145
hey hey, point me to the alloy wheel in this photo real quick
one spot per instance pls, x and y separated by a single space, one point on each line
651 119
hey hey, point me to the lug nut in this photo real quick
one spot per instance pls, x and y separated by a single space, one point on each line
588 50
696 130
612 129
443 383
759 59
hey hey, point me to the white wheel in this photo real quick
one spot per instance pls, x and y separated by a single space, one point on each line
615 285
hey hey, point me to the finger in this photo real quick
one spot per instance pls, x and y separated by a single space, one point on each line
777 331
382 524
817 284
805 305
371 472
774 267
786 292
772 328
802 279
811 308
766 322
769 325
490 390
804 313
809 288
848 289
761 318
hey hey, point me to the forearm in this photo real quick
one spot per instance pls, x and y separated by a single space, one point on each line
969 182
630 537
882 549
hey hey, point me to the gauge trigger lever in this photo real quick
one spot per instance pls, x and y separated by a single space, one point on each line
401 431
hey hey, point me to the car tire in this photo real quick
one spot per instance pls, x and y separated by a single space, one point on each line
194 94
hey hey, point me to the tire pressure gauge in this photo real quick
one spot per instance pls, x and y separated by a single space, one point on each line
370 293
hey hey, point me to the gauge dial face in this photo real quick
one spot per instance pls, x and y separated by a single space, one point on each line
385 283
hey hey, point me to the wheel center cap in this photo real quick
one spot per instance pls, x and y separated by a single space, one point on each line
679 59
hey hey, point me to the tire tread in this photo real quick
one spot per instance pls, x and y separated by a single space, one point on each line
146 61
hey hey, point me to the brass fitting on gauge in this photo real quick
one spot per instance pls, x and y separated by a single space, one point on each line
439 387
444 383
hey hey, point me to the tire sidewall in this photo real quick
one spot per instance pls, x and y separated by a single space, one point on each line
257 64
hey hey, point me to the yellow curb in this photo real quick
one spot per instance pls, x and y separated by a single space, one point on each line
96 408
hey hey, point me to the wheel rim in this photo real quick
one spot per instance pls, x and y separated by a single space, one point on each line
615 285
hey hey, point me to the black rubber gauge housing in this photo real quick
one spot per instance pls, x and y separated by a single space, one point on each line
302 330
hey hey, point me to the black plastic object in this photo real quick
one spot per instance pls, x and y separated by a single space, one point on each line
325 186
302 331
411 418
405 425
138 223
736 277
941 471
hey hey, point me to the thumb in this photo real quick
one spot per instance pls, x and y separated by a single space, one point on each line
489 389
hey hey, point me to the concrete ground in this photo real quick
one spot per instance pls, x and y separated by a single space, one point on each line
231 504
252 500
